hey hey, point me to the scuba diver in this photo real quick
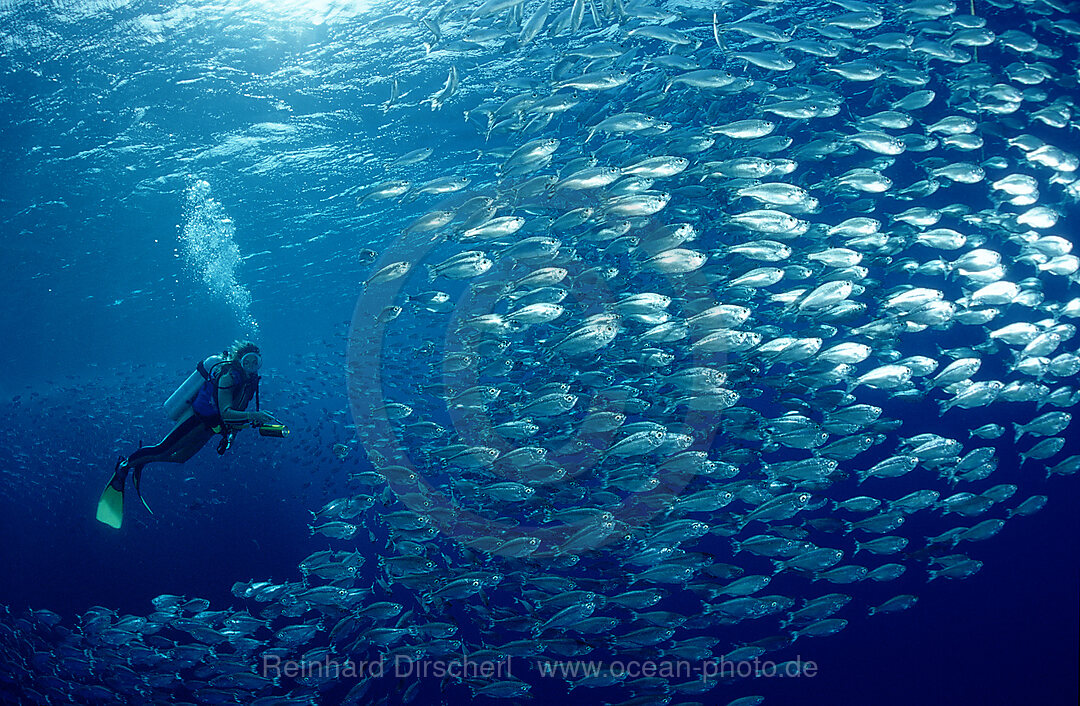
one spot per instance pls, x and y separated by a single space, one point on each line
213 400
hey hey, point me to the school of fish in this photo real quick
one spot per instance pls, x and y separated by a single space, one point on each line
639 381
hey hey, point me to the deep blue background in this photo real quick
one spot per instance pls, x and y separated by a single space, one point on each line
101 321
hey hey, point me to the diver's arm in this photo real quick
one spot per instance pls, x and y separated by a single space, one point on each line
237 417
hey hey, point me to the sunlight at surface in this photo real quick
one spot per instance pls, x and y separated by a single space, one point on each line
315 11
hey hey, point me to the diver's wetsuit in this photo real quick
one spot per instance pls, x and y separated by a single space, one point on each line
178 446
187 437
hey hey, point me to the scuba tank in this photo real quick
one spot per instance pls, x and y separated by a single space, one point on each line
179 403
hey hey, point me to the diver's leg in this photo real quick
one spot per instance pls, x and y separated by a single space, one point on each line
181 444
178 446
165 450
186 446
160 451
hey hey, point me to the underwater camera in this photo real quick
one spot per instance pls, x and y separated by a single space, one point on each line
277 430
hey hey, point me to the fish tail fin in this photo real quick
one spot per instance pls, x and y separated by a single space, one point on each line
1018 431
830 185
848 527
778 566
716 34
871 611
508 294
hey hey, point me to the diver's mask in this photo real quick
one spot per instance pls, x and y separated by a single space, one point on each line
251 362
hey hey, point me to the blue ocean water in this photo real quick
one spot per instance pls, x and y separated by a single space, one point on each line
178 175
